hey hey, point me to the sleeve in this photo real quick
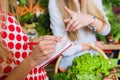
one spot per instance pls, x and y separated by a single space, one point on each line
107 28
58 28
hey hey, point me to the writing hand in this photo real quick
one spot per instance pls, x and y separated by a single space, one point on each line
44 49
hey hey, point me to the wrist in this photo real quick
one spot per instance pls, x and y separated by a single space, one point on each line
22 70
30 61
93 21
85 47
96 24
92 25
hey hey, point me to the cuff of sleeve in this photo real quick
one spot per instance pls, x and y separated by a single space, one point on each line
73 49
92 28
105 30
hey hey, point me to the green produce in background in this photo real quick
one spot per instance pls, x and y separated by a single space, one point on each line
112 9
22 2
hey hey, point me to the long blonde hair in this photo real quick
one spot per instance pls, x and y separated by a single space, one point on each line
86 7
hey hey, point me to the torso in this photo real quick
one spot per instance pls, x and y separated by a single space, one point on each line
14 38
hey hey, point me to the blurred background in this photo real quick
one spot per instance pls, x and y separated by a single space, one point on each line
34 18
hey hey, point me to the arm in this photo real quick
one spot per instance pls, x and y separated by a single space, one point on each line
80 20
41 52
58 27
20 72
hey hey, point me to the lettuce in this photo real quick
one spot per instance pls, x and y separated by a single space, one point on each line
87 67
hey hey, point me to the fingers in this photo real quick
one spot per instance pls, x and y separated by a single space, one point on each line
47 44
69 24
76 23
48 41
47 52
100 44
75 26
44 49
70 12
50 37
67 20
58 39
72 25
85 47
47 48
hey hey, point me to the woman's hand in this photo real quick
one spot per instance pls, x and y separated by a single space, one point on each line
78 20
85 47
44 49
100 44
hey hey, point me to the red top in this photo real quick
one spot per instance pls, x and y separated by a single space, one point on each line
14 39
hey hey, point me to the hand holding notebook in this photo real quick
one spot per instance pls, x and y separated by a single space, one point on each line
61 47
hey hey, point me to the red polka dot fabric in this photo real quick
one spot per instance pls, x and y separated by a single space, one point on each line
14 38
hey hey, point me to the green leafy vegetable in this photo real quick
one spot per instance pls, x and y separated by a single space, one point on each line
113 14
86 67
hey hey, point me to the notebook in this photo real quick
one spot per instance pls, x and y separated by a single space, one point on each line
61 47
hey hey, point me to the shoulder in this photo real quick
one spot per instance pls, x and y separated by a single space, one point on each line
52 6
98 2
12 20
99 5
52 3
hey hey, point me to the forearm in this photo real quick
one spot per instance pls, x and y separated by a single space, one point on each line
96 23
85 47
99 25
21 71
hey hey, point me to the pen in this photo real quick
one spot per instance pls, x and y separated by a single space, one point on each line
31 43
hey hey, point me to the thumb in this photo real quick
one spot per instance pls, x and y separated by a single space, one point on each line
67 20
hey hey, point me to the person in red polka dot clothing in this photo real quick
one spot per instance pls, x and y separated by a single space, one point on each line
18 60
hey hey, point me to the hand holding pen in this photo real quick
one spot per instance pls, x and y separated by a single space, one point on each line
42 38
43 48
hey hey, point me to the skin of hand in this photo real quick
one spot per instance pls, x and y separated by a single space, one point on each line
85 47
78 20
100 44
41 52
44 49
